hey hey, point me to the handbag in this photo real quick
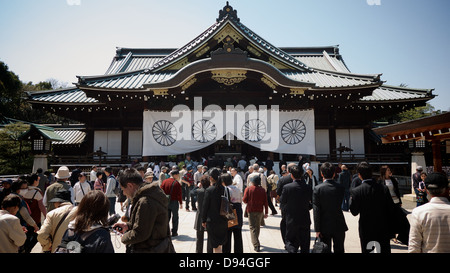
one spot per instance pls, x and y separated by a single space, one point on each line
226 210
233 222
320 246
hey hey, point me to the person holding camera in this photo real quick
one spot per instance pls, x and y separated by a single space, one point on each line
148 228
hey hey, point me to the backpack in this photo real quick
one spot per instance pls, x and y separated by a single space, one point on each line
116 185
33 205
74 243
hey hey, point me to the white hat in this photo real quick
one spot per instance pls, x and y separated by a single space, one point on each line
63 173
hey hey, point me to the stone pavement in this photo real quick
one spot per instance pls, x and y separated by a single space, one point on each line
270 236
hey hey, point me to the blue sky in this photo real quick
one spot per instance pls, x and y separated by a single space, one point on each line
406 40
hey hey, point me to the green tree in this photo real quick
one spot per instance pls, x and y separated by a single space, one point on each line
13 98
14 157
10 92
416 113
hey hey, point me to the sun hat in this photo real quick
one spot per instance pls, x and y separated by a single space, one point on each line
148 174
62 173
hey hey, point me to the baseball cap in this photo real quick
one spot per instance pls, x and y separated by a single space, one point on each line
436 181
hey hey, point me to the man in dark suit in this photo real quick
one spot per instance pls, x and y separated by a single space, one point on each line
281 183
329 221
373 202
296 203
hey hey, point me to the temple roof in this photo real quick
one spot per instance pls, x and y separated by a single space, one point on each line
383 94
71 95
221 26
397 93
134 59
314 68
134 68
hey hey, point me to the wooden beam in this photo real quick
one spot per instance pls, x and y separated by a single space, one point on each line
437 156
427 135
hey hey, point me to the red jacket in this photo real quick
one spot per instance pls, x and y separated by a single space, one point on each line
256 199
176 192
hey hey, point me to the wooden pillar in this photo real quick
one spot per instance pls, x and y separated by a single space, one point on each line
437 156
332 142
124 149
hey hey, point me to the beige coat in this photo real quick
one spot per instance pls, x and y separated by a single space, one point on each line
12 235
47 231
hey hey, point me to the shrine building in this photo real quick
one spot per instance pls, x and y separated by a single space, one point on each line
284 101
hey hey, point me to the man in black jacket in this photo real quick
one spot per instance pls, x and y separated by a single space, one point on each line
281 183
373 202
296 203
329 221
345 180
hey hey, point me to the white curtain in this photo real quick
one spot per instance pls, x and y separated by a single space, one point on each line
183 131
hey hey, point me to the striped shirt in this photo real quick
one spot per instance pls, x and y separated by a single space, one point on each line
430 227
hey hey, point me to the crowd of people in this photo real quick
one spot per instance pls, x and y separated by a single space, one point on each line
79 207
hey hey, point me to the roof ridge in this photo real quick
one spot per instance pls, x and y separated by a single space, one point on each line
174 55
406 88
72 88
82 79
349 74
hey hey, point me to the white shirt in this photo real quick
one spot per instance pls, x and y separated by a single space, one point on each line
235 194
430 227
93 176
263 179
80 190
390 186
197 176
238 182
31 193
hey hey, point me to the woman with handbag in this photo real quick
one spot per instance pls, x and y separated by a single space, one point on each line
235 225
401 224
215 224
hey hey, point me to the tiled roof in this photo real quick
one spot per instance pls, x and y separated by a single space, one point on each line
127 60
67 95
215 28
138 59
324 79
384 93
70 136
322 62
131 69
394 93
130 80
